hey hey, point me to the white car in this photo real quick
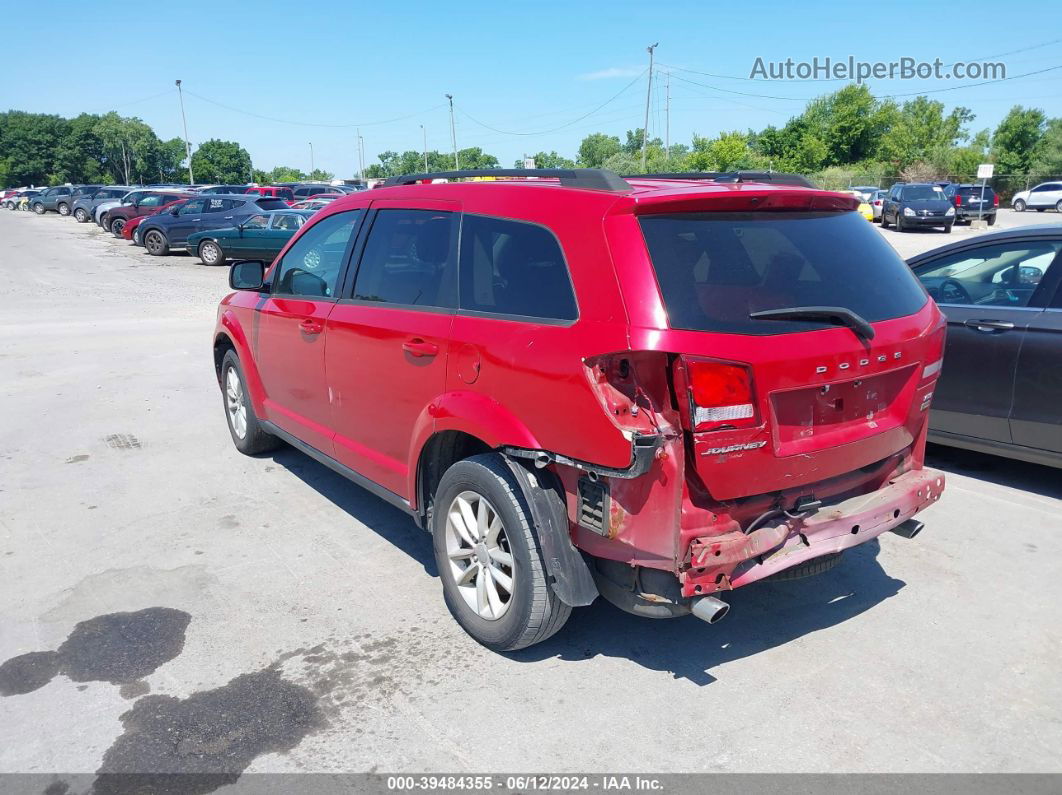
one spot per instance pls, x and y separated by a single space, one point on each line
1043 197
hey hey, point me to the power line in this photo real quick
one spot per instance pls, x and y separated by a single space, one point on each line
312 124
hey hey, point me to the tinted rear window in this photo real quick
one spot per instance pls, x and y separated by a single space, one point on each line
714 269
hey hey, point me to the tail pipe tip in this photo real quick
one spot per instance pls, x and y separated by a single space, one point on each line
908 529
710 609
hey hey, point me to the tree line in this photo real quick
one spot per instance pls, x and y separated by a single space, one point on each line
843 138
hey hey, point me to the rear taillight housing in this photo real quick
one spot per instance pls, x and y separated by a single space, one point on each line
958 200
995 200
719 395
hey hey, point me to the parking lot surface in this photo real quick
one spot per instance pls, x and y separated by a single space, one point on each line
262 614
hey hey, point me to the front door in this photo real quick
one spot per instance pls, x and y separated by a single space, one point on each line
290 338
985 292
386 356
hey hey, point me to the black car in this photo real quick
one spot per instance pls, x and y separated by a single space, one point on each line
1001 386
972 202
917 204
171 229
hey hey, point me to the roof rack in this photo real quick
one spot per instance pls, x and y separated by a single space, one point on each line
586 178
733 176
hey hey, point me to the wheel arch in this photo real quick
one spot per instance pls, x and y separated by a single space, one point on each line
231 336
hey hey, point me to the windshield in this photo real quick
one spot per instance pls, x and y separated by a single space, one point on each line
714 269
922 192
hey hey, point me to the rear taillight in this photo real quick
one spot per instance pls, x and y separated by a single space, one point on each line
958 200
720 394
995 200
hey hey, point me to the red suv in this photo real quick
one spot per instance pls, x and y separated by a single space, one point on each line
656 390
275 191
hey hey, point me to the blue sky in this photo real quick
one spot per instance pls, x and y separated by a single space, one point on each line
513 66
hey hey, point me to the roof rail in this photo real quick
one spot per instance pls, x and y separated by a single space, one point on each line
586 178
733 176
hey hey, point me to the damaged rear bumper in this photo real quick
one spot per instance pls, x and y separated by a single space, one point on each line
730 560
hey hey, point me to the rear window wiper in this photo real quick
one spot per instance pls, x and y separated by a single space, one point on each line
834 314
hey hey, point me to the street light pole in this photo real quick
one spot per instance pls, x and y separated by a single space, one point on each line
453 132
425 133
667 120
648 93
361 154
312 169
187 145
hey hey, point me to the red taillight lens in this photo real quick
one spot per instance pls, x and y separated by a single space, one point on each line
721 395
995 200
958 200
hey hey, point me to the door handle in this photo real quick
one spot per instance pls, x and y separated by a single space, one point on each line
310 326
418 347
990 326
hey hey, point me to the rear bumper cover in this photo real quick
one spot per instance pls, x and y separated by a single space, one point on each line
734 559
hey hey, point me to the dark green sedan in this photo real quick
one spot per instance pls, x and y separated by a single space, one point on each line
259 237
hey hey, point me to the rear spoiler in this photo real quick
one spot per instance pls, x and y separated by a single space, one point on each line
776 177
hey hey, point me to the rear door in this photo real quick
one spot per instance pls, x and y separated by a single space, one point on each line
290 340
387 339
986 292
1036 418
802 395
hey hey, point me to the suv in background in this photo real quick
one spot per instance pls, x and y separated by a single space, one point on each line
143 203
65 204
48 199
225 188
652 389
917 204
972 202
275 191
1043 197
308 190
159 233
83 206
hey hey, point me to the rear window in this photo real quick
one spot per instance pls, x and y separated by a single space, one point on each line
272 204
976 191
714 269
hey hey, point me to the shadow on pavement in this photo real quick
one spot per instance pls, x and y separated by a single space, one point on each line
1043 480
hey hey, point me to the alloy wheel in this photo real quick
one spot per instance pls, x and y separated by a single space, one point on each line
235 403
481 561
153 242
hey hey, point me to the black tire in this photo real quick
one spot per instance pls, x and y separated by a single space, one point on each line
1058 206
117 225
1040 209
534 612
156 243
63 209
884 223
254 440
81 215
992 220
1019 206
947 229
809 568
210 253
899 221
39 208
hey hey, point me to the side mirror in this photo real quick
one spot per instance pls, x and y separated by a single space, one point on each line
247 275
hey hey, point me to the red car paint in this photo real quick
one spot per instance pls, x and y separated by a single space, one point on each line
126 212
275 191
130 227
831 416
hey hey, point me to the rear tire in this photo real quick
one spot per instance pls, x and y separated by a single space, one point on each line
80 215
117 225
246 432
991 220
210 253
498 547
64 209
156 243
809 568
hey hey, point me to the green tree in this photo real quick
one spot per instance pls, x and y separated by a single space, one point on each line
1016 139
919 128
547 160
221 161
596 148
729 151
1047 155
29 141
633 144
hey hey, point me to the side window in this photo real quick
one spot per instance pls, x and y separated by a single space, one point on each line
311 266
514 268
193 207
409 259
256 222
285 193
286 222
152 200
1000 275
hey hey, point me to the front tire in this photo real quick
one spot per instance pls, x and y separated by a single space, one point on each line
244 428
38 208
899 222
117 225
486 547
210 253
1019 206
156 243
80 215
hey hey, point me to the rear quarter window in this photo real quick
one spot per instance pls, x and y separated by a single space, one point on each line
715 269
272 204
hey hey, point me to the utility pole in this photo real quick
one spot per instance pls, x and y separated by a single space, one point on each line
648 93
453 132
187 145
312 169
424 132
361 155
667 120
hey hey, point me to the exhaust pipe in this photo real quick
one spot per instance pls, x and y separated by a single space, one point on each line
908 529
710 609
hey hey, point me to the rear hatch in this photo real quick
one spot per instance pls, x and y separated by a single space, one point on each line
802 342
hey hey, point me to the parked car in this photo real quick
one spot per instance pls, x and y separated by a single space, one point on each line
864 191
314 204
130 197
1042 197
65 204
864 208
83 206
877 199
592 385
12 202
972 202
1001 390
260 236
165 231
917 204
142 203
129 231
225 188
275 191
306 190
48 199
